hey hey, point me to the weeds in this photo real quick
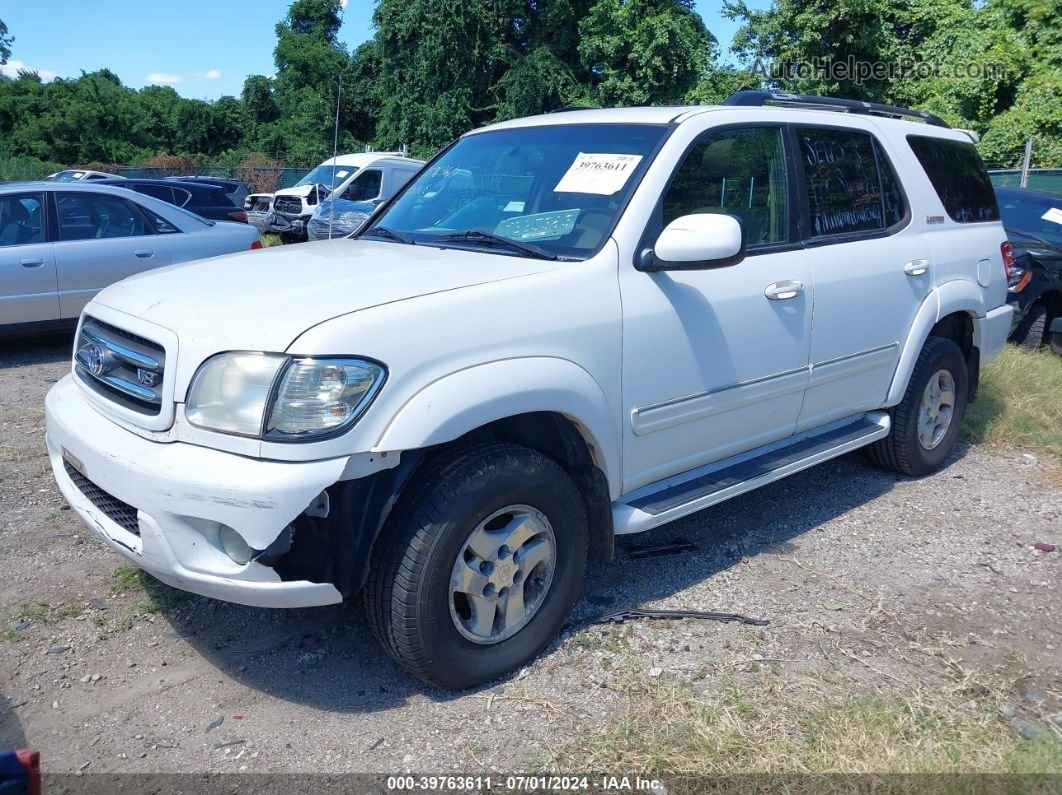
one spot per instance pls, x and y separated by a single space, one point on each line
1019 404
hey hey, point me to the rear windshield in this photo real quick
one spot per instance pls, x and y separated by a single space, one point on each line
959 178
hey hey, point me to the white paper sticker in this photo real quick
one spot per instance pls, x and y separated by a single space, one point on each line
1054 214
603 174
513 207
342 174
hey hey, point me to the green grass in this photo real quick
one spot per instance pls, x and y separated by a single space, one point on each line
672 730
1019 405
41 614
269 240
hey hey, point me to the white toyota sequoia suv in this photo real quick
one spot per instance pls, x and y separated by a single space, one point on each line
565 328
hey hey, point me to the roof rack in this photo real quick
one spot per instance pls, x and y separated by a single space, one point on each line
759 98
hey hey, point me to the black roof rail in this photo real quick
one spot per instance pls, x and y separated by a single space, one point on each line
759 98
570 108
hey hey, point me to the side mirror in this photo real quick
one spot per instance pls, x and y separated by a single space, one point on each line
696 242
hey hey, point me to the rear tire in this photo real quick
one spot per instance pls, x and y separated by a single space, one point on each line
445 541
1031 331
927 422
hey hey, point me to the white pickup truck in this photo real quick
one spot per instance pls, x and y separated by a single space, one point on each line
367 177
565 328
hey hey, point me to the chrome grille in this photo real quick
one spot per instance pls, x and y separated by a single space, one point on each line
121 513
123 367
290 205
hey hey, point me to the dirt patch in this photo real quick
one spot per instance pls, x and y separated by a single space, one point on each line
880 592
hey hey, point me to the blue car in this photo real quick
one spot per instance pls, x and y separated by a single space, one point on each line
345 217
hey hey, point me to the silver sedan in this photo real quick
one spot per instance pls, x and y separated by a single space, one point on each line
61 243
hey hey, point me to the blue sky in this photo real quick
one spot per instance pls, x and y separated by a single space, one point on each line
203 48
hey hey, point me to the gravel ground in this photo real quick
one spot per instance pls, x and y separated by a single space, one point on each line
856 570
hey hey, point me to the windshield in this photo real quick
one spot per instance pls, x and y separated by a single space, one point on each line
1037 216
552 191
327 175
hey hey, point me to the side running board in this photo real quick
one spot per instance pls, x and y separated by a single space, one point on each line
682 495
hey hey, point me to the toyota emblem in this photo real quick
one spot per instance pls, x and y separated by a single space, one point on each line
95 359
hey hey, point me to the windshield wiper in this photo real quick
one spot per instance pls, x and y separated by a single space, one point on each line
486 238
389 234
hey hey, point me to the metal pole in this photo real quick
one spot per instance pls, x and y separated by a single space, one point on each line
335 154
1025 163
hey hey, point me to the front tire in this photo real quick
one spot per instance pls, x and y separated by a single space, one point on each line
479 565
927 422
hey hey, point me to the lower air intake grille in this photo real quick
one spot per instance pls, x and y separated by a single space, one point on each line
121 513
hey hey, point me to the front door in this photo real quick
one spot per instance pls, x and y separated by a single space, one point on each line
715 362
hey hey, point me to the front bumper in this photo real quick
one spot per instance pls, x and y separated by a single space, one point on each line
181 494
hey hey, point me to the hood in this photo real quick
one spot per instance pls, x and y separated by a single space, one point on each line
263 300
298 190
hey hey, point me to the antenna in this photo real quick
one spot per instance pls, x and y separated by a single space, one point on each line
335 154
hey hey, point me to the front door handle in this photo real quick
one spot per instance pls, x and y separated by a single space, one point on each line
783 291
916 267
31 263
145 253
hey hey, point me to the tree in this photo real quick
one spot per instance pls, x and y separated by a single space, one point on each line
644 51
258 100
5 43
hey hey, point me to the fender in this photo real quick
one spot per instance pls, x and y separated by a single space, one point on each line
468 399
946 299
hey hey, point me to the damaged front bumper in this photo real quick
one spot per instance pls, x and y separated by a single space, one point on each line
163 505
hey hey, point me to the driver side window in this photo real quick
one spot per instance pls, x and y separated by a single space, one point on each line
738 172
365 186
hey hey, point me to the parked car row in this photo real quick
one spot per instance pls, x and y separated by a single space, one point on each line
62 242
370 177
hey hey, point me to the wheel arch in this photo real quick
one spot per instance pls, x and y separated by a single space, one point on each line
463 402
951 311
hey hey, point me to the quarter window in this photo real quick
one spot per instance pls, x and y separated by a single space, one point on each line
87 216
958 176
737 172
850 185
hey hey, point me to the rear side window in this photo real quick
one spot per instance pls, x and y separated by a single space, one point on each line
87 216
959 178
850 184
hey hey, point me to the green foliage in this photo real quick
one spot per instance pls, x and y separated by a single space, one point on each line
1014 46
644 52
437 68
5 43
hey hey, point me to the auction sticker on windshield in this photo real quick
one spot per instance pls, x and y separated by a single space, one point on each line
604 174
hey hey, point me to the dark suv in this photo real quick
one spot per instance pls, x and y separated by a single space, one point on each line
1034 227
207 199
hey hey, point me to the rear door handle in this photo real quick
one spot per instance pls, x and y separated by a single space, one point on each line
916 267
31 263
144 253
783 291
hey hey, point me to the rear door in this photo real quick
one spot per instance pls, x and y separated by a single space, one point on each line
872 269
28 292
102 239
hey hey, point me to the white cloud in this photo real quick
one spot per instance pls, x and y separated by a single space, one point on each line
343 3
163 77
210 74
13 67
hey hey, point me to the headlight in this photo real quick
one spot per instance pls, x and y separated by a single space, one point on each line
230 392
281 398
317 396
